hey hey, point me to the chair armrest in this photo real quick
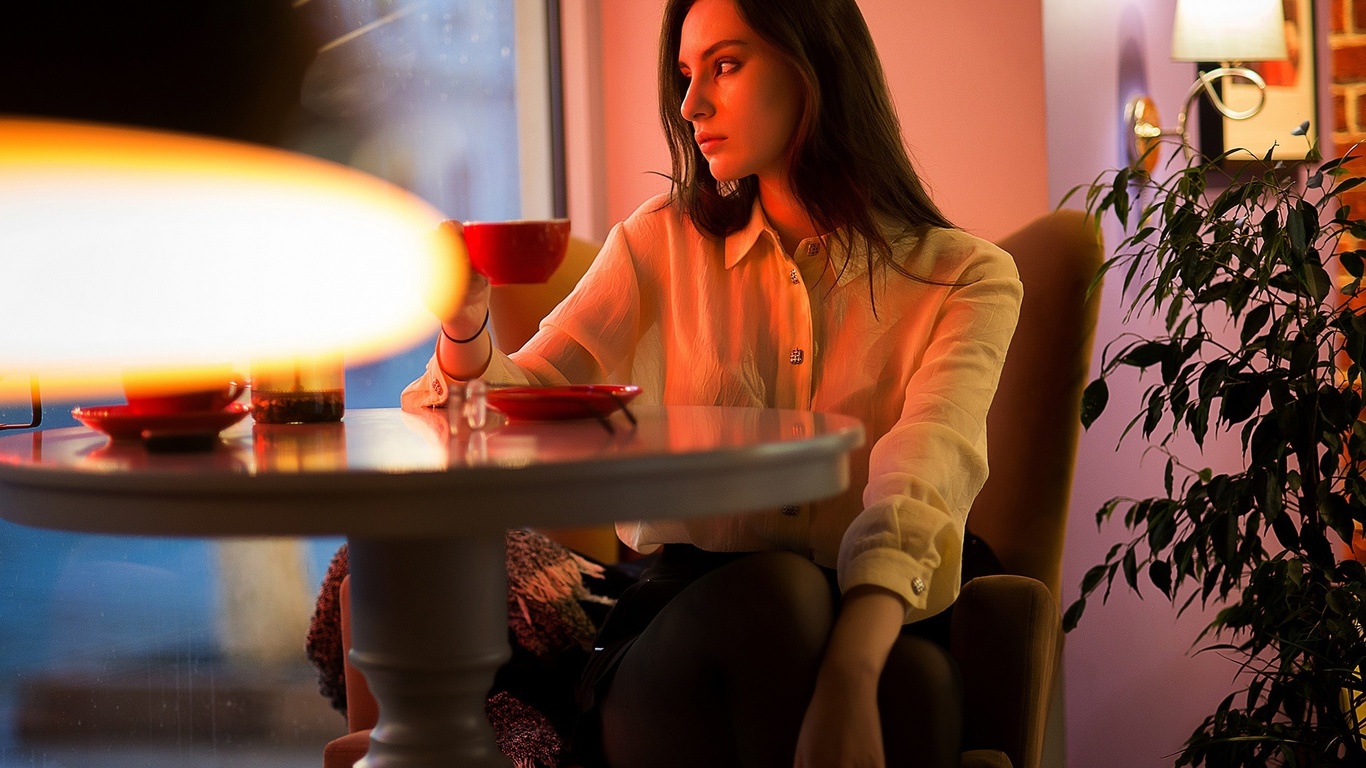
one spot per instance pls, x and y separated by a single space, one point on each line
362 711
982 758
1006 635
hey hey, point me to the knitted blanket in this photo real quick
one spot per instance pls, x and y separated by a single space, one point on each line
556 601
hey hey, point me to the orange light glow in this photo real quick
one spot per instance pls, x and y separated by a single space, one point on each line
135 249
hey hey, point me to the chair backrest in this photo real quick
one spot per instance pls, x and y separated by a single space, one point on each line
1034 424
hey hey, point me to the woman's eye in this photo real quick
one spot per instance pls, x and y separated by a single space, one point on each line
725 66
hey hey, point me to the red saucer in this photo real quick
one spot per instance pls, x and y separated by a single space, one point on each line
121 422
584 401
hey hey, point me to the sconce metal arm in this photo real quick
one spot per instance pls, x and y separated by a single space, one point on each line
1144 128
1205 82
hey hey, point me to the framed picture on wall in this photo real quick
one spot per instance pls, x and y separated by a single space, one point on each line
1291 98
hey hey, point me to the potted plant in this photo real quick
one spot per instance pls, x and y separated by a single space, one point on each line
1257 342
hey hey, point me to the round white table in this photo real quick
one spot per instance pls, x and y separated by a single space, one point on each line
425 509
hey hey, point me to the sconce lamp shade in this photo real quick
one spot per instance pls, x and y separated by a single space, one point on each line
134 249
1228 30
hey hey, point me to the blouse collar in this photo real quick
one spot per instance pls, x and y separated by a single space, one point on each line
757 230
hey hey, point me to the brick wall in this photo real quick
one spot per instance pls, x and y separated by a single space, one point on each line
1347 62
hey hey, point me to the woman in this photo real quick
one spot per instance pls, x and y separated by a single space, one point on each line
797 263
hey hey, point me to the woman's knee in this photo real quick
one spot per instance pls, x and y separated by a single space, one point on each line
774 592
920 697
922 665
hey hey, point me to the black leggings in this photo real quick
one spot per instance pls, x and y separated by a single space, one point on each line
711 659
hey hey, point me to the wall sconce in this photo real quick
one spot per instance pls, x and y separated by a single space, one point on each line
1227 31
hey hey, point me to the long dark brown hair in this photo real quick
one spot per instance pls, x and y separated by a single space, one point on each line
846 162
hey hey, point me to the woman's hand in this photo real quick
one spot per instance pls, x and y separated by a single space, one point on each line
467 318
842 727
464 348
464 319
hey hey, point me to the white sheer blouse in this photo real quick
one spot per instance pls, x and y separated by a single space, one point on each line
736 321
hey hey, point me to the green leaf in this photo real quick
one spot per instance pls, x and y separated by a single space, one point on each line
1266 442
1273 502
1131 570
1121 196
1161 529
1294 222
1160 574
1145 354
1254 321
1217 292
1347 184
1316 546
1093 401
1310 215
1241 401
1073 615
1284 528
1351 261
1212 379
1092 579
1271 225
1155 412
1317 281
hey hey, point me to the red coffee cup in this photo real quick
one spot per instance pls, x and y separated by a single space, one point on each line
158 395
517 251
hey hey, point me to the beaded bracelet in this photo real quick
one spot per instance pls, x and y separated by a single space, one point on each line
472 338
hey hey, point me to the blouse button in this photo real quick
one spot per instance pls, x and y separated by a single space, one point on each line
790 511
793 277
812 249
436 387
796 357
918 585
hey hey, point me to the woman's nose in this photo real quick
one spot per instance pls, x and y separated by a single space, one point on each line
696 104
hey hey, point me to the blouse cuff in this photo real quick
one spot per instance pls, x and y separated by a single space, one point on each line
898 572
433 388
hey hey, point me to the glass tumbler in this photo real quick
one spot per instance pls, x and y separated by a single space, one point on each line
310 390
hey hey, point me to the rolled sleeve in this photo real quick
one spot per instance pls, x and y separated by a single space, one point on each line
433 388
926 470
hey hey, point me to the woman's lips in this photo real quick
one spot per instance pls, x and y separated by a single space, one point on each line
708 142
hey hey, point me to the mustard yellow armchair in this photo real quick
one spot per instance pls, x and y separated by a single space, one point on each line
1006 632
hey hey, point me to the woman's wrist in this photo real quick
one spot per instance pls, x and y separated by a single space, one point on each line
457 336
868 623
462 362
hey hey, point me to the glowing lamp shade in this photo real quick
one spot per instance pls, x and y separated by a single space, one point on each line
1228 30
129 249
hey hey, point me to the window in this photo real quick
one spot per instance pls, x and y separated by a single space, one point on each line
148 652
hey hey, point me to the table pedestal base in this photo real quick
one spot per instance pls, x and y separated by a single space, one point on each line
431 683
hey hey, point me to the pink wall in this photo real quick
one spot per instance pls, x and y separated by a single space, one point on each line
968 82
633 140
977 134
